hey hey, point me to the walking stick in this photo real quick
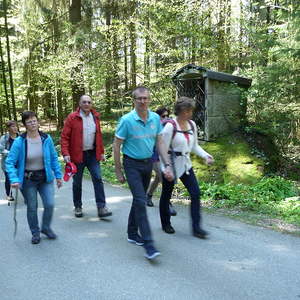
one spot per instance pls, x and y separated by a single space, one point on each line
15 210
15 213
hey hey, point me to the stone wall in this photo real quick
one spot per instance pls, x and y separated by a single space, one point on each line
224 108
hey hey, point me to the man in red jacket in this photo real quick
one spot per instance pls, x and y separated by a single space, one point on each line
81 143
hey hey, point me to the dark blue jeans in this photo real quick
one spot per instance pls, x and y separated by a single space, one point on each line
138 176
7 184
191 184
46 190
89 161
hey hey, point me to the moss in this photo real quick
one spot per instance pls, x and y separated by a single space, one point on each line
234 162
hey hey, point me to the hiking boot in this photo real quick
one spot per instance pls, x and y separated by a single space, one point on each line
104 212
168 229
172 211
136 240
149 201
78 212
200 233
36 238
151 252
49 233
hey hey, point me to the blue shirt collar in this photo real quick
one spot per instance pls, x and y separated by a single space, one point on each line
138 118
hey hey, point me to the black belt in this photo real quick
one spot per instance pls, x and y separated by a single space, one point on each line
176 153
145 160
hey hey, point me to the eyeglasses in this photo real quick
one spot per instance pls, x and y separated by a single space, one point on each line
165 116
31 122
86 102
140 99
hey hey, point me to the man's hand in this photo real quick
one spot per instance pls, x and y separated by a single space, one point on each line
168 173
120 175
59 183
102 157
67 158
15 185
209 160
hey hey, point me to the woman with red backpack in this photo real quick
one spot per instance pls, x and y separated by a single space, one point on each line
180 136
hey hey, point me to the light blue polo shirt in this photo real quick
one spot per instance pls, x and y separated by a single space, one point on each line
139 136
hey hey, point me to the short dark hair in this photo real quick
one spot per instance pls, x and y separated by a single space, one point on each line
183 103
161 110
140 89
28 115
10 123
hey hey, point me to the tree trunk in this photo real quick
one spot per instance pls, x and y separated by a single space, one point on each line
9 62
126 83
108 76
75 12
77 84
4 82
132 32
147 53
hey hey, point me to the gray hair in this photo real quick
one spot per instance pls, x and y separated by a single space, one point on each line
183 103
140 89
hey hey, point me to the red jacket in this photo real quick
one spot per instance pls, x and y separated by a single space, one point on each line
72 137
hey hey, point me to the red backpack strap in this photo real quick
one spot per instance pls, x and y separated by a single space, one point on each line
174 126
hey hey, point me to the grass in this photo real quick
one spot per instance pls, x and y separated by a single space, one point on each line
234 162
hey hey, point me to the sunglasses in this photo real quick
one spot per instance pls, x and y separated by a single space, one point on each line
86 102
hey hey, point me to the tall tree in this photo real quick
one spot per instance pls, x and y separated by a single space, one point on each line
10 72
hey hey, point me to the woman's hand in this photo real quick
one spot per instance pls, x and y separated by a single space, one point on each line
209 160
168 173
59 183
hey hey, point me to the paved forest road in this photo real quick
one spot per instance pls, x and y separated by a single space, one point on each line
92 259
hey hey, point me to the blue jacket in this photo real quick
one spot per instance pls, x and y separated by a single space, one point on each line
16 159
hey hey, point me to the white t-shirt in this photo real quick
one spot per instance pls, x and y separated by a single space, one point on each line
89 130
184 143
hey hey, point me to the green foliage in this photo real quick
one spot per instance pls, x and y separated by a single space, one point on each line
270 195
234 162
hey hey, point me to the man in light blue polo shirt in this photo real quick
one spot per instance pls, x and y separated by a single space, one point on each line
138 132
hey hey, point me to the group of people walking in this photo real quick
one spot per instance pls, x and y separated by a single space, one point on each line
143 137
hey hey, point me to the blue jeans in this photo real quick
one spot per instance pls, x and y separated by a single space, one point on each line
191 184
46 190
138 176
89 161
7 184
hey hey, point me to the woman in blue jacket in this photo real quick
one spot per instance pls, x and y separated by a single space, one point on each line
32 165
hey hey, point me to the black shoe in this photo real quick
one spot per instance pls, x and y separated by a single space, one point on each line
78 212
35 238
136 240
149 201
151 252
200 233
104 212
168 229
50 234
172 211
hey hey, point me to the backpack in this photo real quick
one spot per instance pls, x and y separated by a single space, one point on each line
172 121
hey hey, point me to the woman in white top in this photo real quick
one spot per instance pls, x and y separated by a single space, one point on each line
180 136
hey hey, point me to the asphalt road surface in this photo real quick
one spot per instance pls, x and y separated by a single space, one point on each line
91 259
